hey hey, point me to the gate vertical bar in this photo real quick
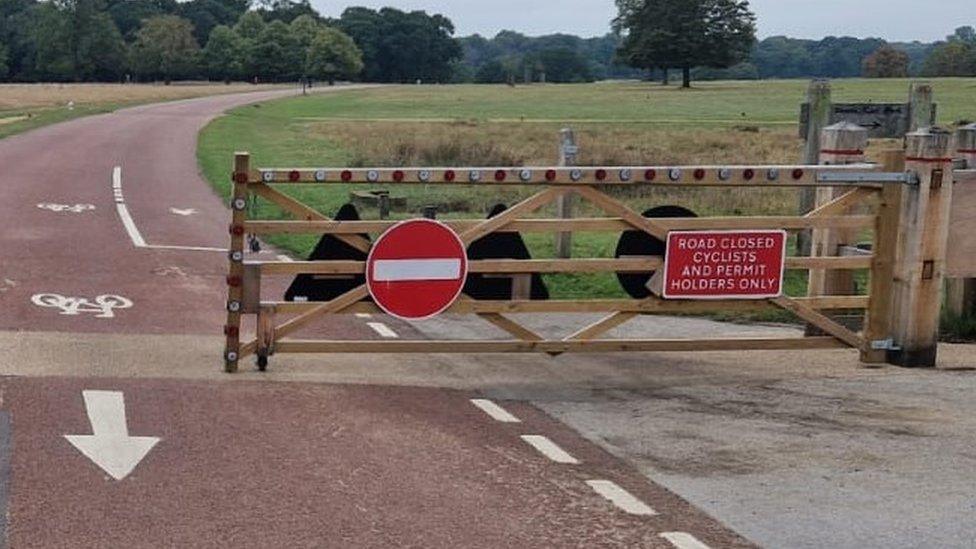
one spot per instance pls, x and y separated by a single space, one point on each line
235 276
923 237
877 324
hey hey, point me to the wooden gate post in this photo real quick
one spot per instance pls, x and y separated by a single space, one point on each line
818 96
568 152
841 143
923 235
235 277
878 320
961 292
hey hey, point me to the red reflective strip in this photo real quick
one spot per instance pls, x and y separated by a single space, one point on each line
928 160
842 152
967 151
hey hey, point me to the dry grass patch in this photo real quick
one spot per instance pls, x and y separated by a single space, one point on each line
468 143
30 96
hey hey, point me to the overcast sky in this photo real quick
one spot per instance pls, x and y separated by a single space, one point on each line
895 20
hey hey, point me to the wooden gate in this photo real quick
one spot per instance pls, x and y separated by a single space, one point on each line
864 199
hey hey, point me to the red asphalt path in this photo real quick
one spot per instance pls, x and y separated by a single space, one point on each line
282 465
90 254
250 464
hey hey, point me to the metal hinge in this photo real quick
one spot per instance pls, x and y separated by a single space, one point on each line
885 345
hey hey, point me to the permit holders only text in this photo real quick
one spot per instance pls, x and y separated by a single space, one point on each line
724 265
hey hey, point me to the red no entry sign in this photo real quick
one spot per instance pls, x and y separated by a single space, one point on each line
724 264
416 269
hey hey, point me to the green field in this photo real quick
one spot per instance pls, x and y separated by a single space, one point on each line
616 123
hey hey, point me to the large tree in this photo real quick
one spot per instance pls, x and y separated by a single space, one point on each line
683 34
886 62
332 54
223 54
165 48
402 47
76 40
955 57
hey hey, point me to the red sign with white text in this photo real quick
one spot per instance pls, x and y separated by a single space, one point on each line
724 264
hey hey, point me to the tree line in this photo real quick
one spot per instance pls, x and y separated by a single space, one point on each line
269 41
288 40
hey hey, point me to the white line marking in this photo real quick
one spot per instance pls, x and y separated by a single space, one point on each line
495 411
393 270
620 497
382 329
285 258
363 315
549 449
109 445
681 540
130 225
185 248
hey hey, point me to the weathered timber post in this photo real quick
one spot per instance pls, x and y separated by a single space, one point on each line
923 234
818 96
568 153
841 143
235 275
919 106
878 321
961 292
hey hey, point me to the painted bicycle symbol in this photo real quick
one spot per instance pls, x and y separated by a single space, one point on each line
103 305
77 208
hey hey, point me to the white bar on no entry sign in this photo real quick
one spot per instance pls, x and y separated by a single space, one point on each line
400 270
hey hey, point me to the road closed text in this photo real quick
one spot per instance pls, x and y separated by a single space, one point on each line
724 265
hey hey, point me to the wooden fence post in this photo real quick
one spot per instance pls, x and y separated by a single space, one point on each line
818 96
961 292
841 143
919 106
878 321
568 152
923 235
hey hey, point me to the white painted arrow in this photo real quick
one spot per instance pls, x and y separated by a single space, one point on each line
110 446
186 212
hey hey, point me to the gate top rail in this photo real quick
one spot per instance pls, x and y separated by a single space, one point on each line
854 175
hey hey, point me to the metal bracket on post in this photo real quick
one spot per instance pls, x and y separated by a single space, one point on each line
885 345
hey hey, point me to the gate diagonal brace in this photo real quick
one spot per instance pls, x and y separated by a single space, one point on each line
820 321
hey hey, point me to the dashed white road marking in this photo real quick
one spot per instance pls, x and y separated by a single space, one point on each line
76 208
184 212
127 222
363 315
549 449
495 411
682 540
623 499
382 329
